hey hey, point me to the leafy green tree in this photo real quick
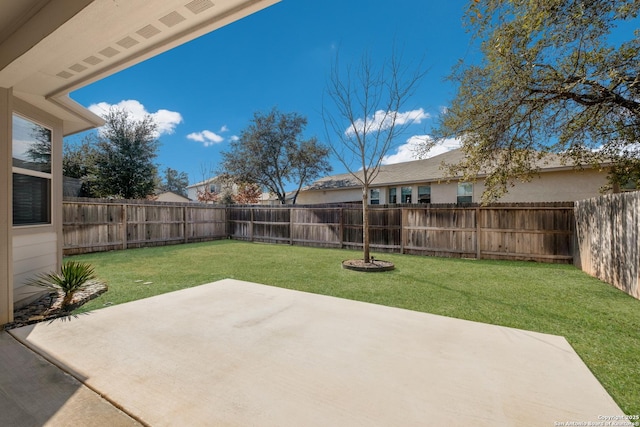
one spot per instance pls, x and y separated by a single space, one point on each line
554 78
126 149
175 182
271 153
78 161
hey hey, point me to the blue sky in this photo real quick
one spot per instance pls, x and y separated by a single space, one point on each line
204 93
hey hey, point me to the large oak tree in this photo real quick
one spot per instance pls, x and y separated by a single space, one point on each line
272 153
117 160
557 76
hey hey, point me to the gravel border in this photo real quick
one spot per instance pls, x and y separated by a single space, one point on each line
49 307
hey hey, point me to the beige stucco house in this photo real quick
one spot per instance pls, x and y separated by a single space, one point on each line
425 181
49 48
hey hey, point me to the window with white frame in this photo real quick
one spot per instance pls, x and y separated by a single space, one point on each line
31 148
424 194
405 194
393 198
374 196
465 192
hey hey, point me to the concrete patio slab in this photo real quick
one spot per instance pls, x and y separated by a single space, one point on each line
238 354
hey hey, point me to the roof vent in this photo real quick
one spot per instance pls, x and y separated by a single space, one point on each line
128 42
93 60
148 31
78 68
64 74
172 19
109 52
198 6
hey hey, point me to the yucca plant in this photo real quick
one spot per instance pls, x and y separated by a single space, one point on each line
73 276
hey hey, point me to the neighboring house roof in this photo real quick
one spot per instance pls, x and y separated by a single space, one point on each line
268 196
418 170
425 170
49 48
170 196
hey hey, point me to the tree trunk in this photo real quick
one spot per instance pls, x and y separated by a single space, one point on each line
365 223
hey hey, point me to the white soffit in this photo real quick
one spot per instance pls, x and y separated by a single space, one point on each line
89 40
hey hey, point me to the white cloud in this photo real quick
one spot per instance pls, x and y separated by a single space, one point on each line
234 138
412 117
442 147
409 150
165 120
224 129
383 120
406 152
207 137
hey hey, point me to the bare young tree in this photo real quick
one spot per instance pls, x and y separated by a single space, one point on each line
363 118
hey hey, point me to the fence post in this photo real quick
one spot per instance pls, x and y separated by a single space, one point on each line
227 219
478 234
124 226
184 224
403 221
341 227
251 225
290 226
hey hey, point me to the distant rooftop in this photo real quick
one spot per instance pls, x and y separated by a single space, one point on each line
425 170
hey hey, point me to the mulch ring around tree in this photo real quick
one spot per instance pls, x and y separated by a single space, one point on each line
49 307
368 267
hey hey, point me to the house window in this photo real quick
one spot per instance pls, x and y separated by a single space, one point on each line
465 192
405 194
374 196
424 194
31 172
393 198
631 184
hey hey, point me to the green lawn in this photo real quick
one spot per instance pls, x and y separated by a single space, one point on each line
601 323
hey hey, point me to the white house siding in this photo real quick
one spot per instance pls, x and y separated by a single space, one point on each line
192 193
32 254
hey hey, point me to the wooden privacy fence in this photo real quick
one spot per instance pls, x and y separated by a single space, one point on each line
541 232
608 240
97 225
